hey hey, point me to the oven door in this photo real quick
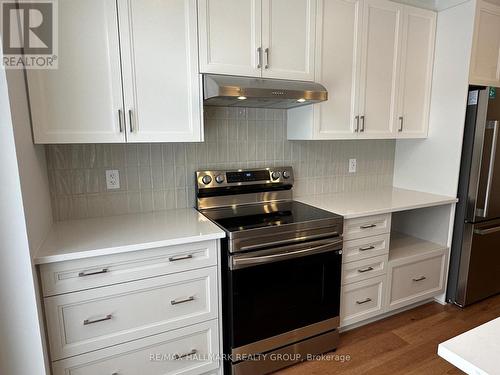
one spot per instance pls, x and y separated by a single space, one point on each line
283 295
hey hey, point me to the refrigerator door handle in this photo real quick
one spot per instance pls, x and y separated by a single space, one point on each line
483 232
491 168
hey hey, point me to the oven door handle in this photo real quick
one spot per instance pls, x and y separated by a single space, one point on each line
239 261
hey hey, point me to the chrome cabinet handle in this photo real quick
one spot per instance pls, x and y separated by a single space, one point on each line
365 269
356 118
368 226
120 114
401 119
259 57
364 301
366 248
86 322
266 51
419 278
90 273
179 301
131 123
362 124
180 257
180 356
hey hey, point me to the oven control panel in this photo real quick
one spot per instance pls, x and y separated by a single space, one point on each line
257 176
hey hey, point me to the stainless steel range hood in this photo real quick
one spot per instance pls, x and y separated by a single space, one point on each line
235 91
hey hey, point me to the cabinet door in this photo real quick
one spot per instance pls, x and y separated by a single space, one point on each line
288 36
379 68
80 101
485 64
161 82
419 29
337 67
230 36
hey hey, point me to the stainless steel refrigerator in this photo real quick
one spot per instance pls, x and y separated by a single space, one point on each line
475 255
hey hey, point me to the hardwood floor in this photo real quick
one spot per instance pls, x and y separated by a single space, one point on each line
402 344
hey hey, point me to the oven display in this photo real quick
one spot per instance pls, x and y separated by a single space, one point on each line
246 176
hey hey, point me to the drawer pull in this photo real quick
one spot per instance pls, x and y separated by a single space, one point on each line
87 322
366 248
180 257
180 356
364 301
178 302
90 273
420 278
368 226
365 269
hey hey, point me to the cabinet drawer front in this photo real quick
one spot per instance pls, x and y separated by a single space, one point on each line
75 275
416 281
83 321
367 226
365 248
362 300
154 355
364 269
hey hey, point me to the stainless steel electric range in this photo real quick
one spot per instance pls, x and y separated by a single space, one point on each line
281 269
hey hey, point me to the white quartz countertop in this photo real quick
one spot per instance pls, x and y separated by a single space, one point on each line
475 351
365 203
77 239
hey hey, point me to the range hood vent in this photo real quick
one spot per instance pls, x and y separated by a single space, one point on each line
235 91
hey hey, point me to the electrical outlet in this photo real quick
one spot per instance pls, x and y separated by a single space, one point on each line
113 179
352 165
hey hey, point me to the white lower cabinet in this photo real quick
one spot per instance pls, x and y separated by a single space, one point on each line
187 350
416 277
149 312
382 272
364 269
362 300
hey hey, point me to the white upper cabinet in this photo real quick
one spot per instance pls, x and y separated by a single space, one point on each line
258 38
136 82
230 36
337 58
288 39
160 70
375 57
485 64
416 72
80 101
379 68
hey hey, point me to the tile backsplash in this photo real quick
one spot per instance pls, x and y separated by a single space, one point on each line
161 176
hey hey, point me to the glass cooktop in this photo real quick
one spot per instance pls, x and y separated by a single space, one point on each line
254 216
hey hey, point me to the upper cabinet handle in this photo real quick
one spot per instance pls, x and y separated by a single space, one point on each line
356 118
120 114
401 119
362 124
259 57
130 119
266 51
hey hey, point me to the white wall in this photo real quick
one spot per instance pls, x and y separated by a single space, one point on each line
433 164
32 164
21 350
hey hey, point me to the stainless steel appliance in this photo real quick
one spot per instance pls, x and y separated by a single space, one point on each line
281 269
234 91
475 257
